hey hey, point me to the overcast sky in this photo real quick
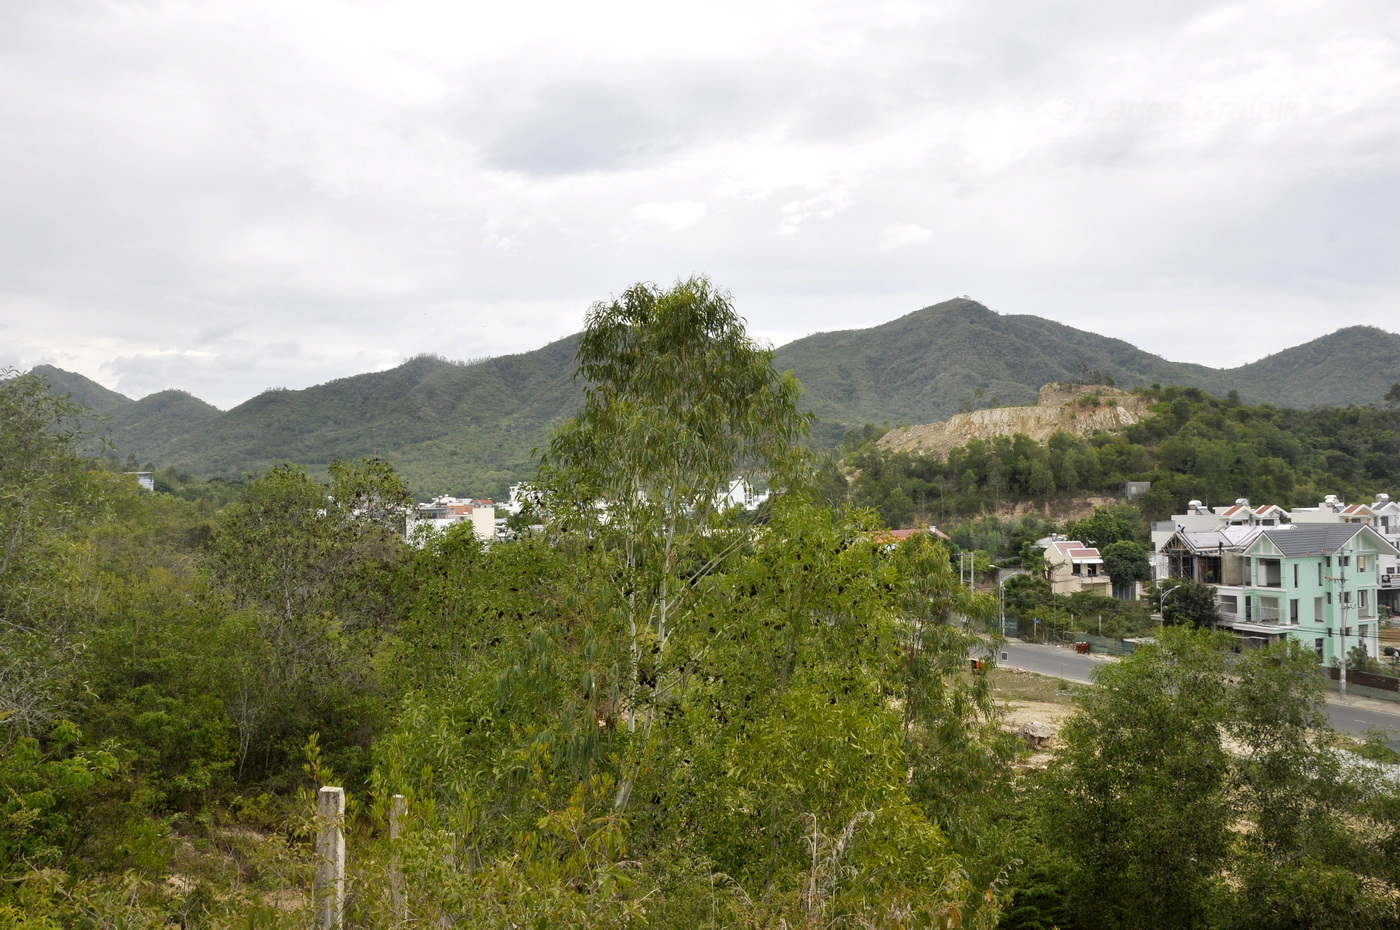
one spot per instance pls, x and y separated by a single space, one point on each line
228 196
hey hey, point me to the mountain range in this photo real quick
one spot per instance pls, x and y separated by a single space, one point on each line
471 429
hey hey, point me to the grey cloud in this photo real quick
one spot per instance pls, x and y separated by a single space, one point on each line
195 199
571 128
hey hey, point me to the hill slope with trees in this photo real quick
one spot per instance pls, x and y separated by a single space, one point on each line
472 428
649 714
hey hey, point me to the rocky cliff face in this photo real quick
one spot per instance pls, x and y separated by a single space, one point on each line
1077 409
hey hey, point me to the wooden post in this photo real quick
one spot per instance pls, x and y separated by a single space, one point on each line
329 890
398 900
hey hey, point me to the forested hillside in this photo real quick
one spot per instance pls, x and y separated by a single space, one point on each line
1193 446
650 714
470 429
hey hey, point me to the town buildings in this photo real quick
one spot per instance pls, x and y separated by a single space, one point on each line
443 512
1325 576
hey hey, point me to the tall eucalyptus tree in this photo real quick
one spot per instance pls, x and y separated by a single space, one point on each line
679 402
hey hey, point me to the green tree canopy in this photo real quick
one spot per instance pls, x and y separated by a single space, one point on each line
1108 525
1188 603
1126 562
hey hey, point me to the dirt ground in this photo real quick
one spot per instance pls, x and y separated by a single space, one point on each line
1026 697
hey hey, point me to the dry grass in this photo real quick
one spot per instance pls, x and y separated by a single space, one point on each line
1013 685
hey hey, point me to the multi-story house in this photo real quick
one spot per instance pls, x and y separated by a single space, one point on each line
443 512
1071 567
1316 582
1387 523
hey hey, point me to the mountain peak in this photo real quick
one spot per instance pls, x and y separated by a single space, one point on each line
82 389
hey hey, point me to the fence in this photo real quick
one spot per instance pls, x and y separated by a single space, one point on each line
1364 684
1038 631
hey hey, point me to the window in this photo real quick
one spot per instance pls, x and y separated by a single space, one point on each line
1295 574
1076 568
1360 563
1343 560
1362 598
1329 597
1346 598
1317 609
1319 573
1293 610
1317 644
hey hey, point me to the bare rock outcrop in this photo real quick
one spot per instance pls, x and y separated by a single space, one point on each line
1077 409
1037 735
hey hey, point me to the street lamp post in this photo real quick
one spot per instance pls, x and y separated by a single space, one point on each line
1001 596
1161 602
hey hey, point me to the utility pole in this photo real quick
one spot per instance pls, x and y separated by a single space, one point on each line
1342 662
1341 579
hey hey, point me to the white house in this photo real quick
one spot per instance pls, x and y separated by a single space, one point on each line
443 512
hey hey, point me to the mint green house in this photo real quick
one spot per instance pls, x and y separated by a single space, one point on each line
1317 583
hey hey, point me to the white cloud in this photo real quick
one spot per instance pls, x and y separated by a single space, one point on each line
674 216
902 234
184 185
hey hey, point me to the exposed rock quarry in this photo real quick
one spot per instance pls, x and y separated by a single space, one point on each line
1077 409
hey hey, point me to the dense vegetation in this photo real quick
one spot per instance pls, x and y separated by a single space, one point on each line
1194 446
653 714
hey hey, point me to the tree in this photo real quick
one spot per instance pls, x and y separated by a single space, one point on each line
46 491
678 402
1108 525
1159 824
46 488
1137 798
1126 563
310 569
1188 603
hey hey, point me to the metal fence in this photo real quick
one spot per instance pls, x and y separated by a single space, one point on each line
1038 631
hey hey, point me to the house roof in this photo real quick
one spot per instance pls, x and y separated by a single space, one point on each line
1076 551
1317 538
1262 510
1228 537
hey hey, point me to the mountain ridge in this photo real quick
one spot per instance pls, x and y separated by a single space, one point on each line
473 428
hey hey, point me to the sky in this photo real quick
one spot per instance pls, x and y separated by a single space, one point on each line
229 196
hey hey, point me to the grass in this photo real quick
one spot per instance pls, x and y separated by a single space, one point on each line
1027 686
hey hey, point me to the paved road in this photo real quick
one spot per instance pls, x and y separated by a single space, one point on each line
1351 715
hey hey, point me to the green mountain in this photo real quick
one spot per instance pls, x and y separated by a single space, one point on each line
447 427
157 420
83 390
472 429
1356 365
927 365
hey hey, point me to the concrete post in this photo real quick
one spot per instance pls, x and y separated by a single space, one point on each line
329 890
398 900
